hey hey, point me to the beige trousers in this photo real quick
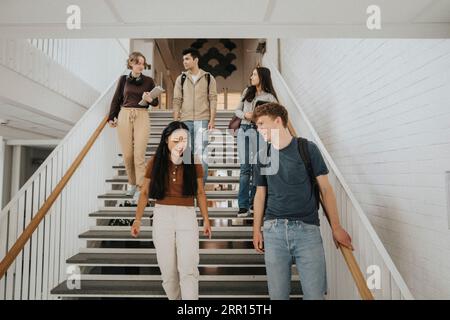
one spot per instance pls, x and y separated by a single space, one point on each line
133 129
176 238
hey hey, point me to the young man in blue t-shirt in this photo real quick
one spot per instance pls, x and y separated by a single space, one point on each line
284 197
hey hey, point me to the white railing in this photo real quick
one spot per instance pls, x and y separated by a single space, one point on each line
42 263
369 252
107 56
22 57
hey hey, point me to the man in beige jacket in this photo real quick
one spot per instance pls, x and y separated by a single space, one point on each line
195 103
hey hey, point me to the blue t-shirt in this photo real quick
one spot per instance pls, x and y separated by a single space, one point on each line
289 190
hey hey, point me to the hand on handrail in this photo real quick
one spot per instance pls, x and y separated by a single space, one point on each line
340 236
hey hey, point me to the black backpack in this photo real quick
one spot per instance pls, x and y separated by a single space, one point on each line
302 144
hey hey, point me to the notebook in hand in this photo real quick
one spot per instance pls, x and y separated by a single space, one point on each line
156 91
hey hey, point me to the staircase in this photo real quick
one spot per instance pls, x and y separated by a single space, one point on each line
115 265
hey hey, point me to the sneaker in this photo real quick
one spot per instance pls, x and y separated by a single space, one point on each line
251 209
136 196
243 213
131 191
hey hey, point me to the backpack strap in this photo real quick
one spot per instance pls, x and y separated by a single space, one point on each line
208 78
183 79
122 87
304 154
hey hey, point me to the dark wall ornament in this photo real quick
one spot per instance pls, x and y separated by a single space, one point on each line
224 67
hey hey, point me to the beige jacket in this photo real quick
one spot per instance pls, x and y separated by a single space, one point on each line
197 103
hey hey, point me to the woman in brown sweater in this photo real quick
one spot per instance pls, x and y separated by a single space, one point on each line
174 180
132 119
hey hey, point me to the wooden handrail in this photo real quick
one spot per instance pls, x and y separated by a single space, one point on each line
18 246
34 223
349 258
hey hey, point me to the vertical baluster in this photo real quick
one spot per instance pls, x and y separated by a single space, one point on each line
34 239
37 65
12 236
51 47
346 283
41 236
53 213
31 54
3 248
45 46
337 262
332 262
349 228
19 259
40 44
62 249
21 51
10 53
72 205
77 198
26 251
344 208
368 258
3 55
57 218
48 232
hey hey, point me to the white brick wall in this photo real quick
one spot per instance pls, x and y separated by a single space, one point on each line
382 109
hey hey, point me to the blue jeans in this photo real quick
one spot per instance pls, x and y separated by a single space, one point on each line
199 142
287 241
247 148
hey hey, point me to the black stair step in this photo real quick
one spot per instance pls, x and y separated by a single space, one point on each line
150 259
154 288
210 195
146 235
158 128
225 166
147 214
131 243
203 270
220 114
210 179
233 156
230 147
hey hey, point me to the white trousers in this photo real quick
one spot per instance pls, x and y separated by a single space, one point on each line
176 239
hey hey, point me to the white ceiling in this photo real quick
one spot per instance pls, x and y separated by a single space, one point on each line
25 124
231 18
206 19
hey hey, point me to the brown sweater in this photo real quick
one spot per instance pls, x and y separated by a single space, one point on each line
131 95
174 189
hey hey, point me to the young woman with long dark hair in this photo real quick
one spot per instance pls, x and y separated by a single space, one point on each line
173 179
261 89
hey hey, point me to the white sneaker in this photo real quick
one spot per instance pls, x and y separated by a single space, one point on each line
136 196
243 213
131 190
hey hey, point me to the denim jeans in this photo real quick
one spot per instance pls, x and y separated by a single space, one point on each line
287 241
199 142
247 147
